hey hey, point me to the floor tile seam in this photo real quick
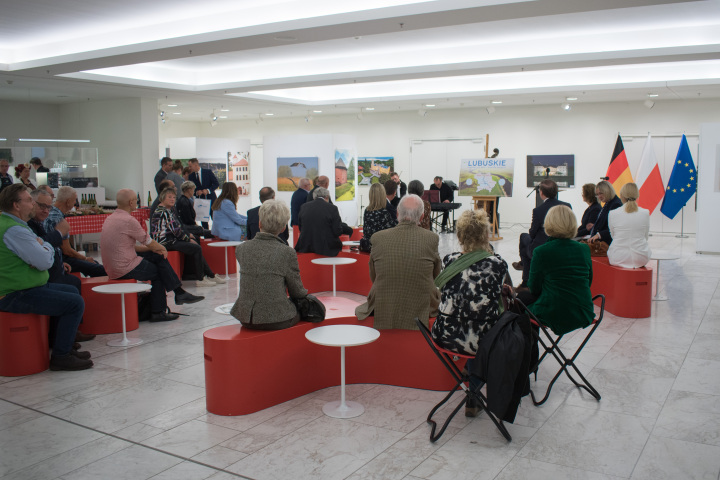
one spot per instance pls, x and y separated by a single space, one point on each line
647 375
132 442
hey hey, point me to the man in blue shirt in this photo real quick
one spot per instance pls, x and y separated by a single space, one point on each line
24 261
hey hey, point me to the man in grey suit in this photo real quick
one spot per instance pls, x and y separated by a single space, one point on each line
403 265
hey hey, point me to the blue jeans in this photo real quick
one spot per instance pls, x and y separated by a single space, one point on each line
157 269
56 300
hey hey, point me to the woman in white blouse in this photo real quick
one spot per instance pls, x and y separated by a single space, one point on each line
629 227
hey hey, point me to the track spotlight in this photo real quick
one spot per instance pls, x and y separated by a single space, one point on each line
490 110
566 106
162 113
649 103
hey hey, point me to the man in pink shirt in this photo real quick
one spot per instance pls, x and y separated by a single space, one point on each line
123 258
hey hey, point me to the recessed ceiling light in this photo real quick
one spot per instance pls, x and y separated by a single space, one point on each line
566 106
369 109
653 95
224 110
269 114
430 105
59 140
222 116
496 102
570 99
177 113
173 105
317 111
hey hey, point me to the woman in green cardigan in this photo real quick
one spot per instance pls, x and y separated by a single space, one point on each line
560 276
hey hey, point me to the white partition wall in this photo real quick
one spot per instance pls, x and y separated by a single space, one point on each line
321 146
708 227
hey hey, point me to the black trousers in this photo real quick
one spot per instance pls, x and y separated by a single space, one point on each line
91 269
157 269
525 255
193 258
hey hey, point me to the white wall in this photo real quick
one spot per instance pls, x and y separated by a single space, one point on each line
588 131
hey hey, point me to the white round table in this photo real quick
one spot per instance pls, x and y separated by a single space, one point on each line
122 289
661 256
351 243
224 308
334 261
342 336
225 245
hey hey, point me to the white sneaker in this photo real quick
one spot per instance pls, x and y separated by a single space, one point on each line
205 282
217 279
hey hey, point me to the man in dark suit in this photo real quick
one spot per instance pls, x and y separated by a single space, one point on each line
253 216
320 226
401 189
322 182
205 182
298 199
446 196
391 195
165 168
536 236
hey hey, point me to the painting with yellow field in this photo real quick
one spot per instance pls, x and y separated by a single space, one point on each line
291 169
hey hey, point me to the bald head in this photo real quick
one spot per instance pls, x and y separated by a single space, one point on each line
323 181
124 198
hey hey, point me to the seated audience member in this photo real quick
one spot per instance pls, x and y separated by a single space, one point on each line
470 287
376 216
228 224
64 202
536 235
400 190
176 175
390 192
416 187
186 172
186 211
298 198
253 219
404 261
446 196
629 227
320 226
269 272
560 276
605 194
22 173
48 190
163 185
24 288
591 212
168 232
123 259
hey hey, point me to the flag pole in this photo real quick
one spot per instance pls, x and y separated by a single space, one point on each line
682 224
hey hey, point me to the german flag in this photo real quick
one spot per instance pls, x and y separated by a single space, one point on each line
618 172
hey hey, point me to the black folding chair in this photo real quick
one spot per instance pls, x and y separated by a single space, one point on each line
449 359
551 346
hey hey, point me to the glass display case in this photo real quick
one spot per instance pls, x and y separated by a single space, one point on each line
73 166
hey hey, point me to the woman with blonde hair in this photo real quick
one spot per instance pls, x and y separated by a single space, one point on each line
629 227
605 195
376 216
560 276
228 224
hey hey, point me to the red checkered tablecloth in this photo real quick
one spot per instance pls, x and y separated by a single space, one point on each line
93 223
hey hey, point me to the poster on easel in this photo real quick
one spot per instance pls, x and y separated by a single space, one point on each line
486 176
238 171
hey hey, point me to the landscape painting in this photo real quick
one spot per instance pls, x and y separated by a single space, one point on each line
375 169
491 177
291 169
344 175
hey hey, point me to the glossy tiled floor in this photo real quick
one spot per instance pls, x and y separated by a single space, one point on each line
140 412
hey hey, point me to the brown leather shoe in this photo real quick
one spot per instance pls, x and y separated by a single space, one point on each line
517 265
83 337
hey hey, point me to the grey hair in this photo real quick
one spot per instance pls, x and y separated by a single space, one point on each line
410 209
187 186
37 192
64 194
274 216
321 192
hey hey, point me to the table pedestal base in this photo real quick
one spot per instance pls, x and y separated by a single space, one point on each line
337 410
225 308
124 342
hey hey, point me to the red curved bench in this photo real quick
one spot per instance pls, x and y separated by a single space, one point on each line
250 370
628 291
353 278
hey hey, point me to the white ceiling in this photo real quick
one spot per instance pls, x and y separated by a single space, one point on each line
291 57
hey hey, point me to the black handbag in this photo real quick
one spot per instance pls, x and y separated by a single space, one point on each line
310 308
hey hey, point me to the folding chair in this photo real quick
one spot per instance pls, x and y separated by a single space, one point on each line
448 359
551 346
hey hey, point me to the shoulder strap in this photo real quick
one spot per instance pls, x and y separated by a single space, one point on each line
459 265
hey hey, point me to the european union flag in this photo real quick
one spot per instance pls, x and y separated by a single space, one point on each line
682 184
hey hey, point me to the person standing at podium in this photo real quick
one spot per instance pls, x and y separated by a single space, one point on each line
446 196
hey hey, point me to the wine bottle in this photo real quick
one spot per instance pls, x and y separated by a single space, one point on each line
138 200
149 199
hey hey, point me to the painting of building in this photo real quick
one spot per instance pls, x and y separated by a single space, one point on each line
239 171
340 172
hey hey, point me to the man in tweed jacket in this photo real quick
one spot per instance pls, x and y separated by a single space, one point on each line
403 264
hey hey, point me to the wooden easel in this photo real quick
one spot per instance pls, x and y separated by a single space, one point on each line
489 205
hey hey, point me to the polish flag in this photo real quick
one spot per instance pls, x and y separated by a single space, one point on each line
648 179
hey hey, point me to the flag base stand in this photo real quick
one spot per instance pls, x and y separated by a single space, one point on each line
682 224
